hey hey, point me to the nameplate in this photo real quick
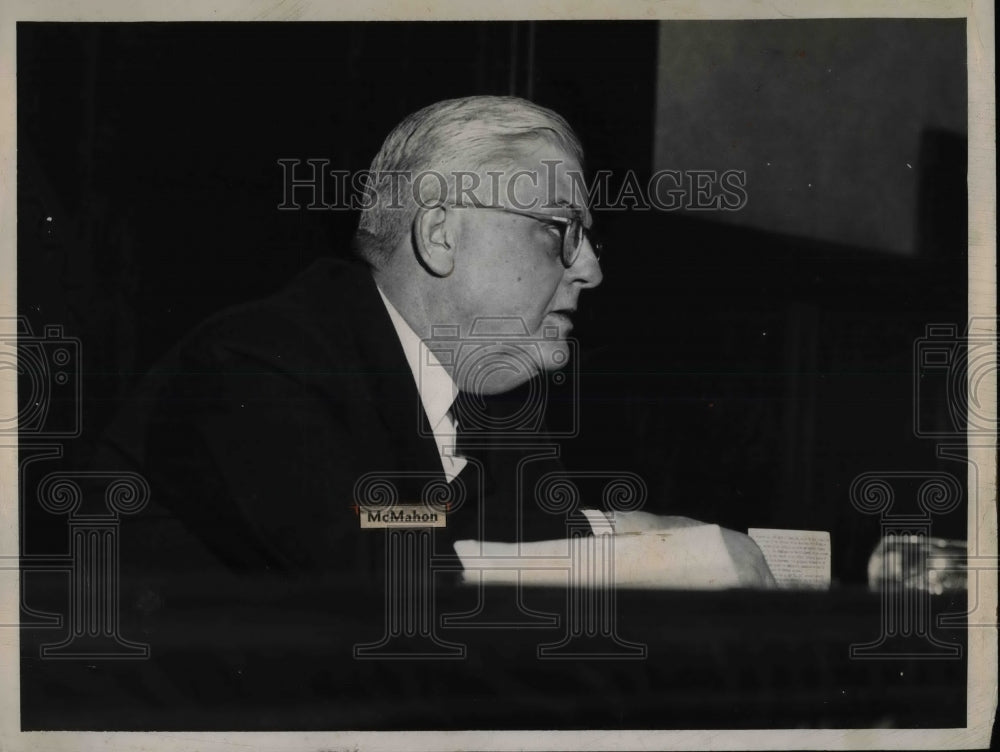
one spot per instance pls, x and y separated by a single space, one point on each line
401 516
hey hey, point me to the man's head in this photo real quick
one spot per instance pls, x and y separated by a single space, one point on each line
477 227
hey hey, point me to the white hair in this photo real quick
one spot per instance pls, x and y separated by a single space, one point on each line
467 134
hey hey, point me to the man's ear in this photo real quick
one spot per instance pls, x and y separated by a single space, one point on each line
433 240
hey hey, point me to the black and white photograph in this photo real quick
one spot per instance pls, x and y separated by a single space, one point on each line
542 378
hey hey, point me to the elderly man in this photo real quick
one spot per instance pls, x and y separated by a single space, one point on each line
257 429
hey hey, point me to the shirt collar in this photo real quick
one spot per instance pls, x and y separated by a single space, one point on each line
434 384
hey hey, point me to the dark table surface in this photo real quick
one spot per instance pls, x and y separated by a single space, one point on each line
274 655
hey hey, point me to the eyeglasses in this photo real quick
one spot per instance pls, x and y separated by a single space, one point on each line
572 229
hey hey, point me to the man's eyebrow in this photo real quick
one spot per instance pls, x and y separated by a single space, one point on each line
580 212
563 203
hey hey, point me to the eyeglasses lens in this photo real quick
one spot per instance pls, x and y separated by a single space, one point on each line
572 242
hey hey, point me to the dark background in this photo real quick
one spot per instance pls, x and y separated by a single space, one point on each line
748 375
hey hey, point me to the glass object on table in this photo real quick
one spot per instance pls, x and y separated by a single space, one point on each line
919 562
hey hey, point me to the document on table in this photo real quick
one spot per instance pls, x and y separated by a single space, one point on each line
797 558
693 558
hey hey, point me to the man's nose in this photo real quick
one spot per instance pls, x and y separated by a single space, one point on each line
586 270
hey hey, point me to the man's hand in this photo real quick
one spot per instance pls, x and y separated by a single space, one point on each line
750 565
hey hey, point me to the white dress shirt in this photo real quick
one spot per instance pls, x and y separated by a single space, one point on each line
436 388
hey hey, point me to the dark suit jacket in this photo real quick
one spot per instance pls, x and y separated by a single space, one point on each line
254 430
248 575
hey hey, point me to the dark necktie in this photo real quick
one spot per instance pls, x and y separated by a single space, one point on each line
472 436
488 470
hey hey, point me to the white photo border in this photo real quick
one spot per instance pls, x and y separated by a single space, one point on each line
982 642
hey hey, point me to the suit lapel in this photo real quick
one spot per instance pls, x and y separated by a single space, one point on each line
387 374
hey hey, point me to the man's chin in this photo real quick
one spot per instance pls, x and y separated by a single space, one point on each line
509 366
501 380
